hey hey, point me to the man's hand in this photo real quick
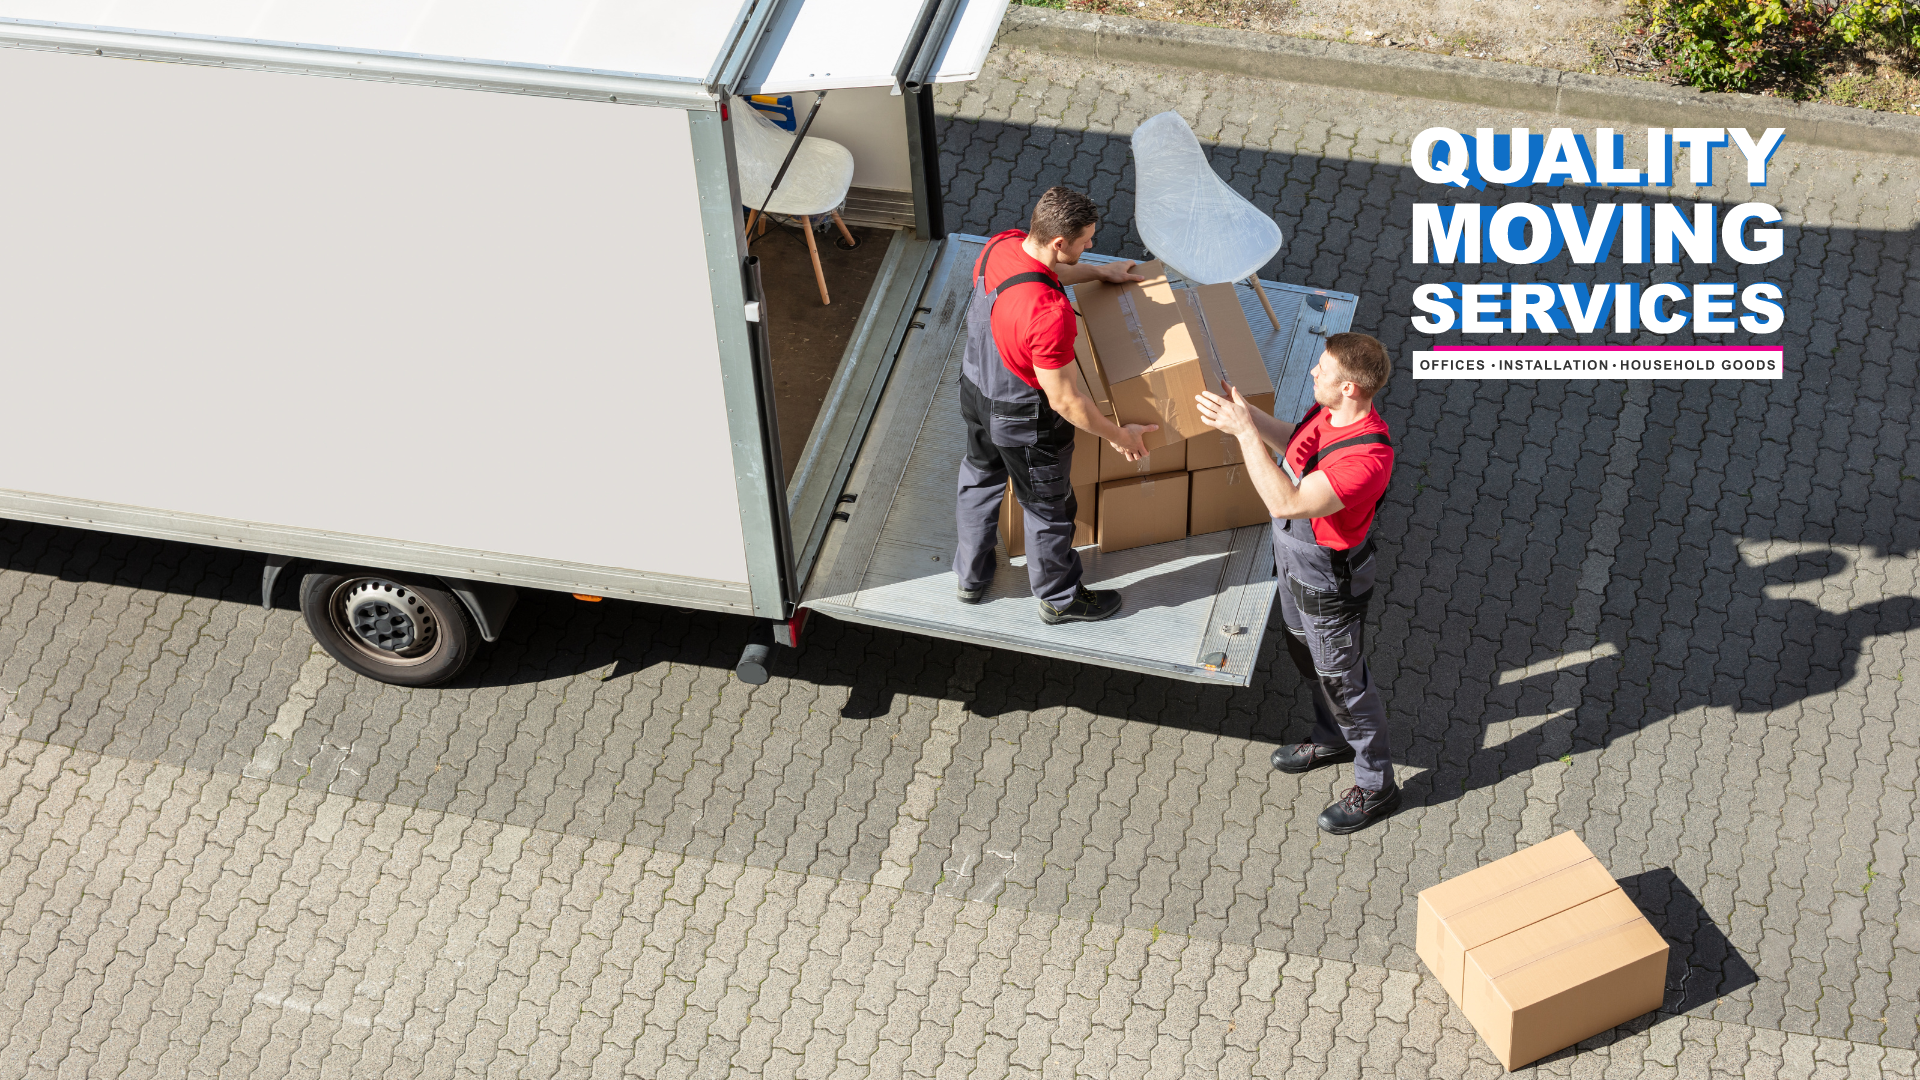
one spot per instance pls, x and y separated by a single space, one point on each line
1234 417
1118 273
1135 447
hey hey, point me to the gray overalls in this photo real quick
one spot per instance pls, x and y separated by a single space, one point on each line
1323 600
1012 431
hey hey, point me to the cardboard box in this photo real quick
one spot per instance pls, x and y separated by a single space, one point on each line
1159 347
1143 510
1240 359
1166 459
1139 332
1212 450
1088 453
1541 949
1567 977
1092 379
1224 498
1217 310
1013 535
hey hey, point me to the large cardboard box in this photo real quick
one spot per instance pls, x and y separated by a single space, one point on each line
1092 379
1567 977
1541 949
1151 362
1212 450
1143 510
1159 347
1216 308
1240 359
1088 449
1224 498
1013 534
1165 459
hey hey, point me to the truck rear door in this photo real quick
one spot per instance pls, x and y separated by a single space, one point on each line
1196 608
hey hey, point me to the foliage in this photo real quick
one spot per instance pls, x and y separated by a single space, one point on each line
1890 24
1750 45
1740 45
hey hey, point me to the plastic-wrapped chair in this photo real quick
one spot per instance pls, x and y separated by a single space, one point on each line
1190 219
816 183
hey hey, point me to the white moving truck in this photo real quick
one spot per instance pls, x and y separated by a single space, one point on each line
434 301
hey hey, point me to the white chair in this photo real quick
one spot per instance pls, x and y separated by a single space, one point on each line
1190 219
816 183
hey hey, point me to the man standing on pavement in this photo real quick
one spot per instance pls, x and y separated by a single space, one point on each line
1022 406
1336 463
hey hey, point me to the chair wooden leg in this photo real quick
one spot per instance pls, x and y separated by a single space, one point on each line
1254 280
753 218
819 276
844 231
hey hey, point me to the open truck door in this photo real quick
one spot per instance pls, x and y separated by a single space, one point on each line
1196 608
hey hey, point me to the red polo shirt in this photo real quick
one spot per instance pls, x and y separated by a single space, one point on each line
1358 474
1033 325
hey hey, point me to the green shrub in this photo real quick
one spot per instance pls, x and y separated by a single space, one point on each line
1741 45
1890 24
1749 45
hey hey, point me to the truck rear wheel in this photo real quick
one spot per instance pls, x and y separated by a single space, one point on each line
396 628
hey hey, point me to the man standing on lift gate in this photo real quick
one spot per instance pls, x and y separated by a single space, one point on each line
1337 461
1022 405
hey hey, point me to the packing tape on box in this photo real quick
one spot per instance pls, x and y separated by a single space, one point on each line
1583 939
1528 884
1133 326
1206 331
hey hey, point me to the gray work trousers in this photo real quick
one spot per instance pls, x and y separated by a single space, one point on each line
1041 483
1326 638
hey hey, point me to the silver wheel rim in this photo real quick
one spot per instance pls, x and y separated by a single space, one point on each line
383 620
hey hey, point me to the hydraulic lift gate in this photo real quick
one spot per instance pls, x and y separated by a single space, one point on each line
890 563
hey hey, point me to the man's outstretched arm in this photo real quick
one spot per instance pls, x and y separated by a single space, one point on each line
1313 498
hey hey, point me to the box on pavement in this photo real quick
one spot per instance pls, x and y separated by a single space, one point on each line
1115 466
1013 535
1224 498
1541 949
1159 347
1143 510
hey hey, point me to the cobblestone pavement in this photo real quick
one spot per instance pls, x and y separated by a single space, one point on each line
1670 616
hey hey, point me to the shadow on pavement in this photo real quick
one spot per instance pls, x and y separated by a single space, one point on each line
1702 965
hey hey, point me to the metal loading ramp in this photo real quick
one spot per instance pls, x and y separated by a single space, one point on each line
1187 602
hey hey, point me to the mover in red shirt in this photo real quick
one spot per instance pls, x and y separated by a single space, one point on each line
1021 406
1333 469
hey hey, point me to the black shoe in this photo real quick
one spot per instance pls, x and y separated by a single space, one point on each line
1307 756
975 595
1087 605
1359 808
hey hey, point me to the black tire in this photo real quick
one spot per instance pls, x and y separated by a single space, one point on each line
395 628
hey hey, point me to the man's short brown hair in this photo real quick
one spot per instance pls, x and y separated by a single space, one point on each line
1362 359
1061 212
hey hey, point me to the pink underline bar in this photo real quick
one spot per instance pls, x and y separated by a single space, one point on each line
1609 348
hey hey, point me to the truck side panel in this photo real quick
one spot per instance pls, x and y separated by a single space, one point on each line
472 320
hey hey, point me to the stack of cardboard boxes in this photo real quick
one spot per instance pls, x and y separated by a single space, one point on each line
1145 350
